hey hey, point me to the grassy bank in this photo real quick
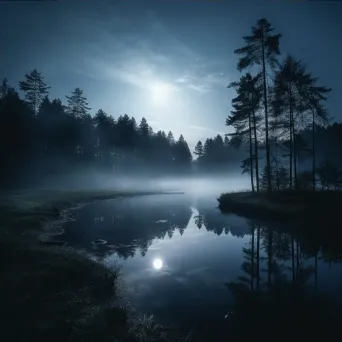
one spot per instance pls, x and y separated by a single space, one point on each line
26 211
58 293
283 205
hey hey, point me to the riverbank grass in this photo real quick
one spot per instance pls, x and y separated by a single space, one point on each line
24 210
53 293
57 293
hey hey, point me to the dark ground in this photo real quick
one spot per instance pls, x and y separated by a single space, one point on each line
284 205
59 293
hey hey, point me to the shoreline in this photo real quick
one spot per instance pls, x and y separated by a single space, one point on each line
74 295
35 209
289 206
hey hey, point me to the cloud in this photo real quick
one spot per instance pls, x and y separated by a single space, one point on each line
139 75
202 81
201 88
156 54
184 79
208 82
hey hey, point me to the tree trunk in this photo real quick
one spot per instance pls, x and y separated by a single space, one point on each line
293 261
258 258
297 257
256 152
316 271
291 135
313 152
294 157
268 161
277 167
252 260
251 152
269 255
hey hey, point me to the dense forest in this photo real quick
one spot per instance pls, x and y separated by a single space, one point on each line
43 137
280 110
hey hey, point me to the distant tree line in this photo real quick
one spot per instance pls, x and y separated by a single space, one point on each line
43 136
216 154
277 114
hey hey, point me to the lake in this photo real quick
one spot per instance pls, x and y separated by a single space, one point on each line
181 258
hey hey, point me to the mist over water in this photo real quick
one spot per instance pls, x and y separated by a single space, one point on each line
199 185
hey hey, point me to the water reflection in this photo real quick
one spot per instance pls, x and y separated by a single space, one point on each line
275 254
128 226
214 221
278 283
190 265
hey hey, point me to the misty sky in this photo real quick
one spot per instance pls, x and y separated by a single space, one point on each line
167 60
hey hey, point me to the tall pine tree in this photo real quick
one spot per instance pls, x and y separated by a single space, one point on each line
77 104
244 119
35 89
261 48
199 150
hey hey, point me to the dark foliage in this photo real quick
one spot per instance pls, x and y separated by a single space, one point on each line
41 137
291 128
261 48
217 154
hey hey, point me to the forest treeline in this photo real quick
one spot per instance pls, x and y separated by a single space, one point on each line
44 137
279 109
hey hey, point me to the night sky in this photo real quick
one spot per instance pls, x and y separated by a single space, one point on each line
169 61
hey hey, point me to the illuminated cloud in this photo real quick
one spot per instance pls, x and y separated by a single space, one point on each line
139 60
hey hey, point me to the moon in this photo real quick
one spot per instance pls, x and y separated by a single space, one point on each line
160 93
157 263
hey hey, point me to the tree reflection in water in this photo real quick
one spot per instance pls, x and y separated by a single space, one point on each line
278 284
131 228
127 227
286 298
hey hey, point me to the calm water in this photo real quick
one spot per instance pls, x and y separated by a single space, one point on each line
178 253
